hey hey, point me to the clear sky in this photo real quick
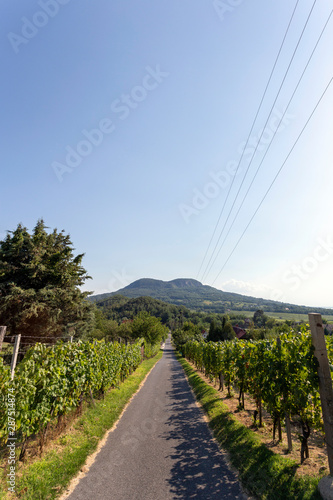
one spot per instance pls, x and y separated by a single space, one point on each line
123 122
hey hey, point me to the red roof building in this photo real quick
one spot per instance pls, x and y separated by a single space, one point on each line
240 332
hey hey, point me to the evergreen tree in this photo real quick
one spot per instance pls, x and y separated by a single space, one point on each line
228 331
215 331
220 330
259 318
39 280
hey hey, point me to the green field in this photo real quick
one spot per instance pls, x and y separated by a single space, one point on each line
284 315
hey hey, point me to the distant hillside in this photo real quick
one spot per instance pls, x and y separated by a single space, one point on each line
194 295
120 308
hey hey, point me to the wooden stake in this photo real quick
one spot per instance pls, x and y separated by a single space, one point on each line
92 398
14 356
280 430
288 431
2 335
260 413
325 382
221 388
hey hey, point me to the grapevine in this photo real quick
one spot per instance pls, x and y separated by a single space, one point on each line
280 374
52 381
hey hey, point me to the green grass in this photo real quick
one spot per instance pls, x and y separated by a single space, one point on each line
48 477
264 474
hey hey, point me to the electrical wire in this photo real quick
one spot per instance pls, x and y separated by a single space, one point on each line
275 132
249 135
258 142
276 176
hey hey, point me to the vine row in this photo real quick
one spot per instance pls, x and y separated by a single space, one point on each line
52 381
280 375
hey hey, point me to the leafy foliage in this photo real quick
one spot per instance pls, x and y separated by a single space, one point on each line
51 381
282 373
148 327
259 318
220 330
39 280
120 308
183 335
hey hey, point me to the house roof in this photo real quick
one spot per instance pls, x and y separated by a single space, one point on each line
240 332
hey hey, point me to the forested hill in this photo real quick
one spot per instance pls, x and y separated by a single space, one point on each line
120 308
194 295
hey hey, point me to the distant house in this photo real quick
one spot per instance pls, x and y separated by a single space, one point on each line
204 334
240 332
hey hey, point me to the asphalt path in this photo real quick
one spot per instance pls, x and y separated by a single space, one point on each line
161 448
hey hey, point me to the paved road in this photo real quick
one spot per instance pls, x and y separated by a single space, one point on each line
161 449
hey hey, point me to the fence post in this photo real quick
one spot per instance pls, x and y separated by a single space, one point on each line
2 335
14 356
325 382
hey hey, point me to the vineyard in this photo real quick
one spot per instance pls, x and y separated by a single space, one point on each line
280 376
53 381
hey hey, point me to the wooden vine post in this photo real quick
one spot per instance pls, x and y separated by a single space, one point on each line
325 382
2 335
287 418
14 356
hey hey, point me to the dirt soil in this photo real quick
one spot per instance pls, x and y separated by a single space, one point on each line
316 464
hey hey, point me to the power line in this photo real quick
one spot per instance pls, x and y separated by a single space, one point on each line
255 150
275 132
248 138
276 176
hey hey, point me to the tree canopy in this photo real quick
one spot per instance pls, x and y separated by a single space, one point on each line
150 328
39 285
220 330
259 318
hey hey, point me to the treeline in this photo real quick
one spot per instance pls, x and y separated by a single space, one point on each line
120 310
114 316
221 328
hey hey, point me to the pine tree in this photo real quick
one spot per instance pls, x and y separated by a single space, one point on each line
39 285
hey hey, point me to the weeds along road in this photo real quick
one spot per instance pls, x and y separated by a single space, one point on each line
161 448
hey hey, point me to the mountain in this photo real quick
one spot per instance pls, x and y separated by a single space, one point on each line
194 295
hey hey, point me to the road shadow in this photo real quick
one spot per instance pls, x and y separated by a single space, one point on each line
199 470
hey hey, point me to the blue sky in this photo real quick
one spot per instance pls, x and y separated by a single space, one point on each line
122 123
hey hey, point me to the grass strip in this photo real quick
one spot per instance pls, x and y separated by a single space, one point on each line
47 478
264 474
